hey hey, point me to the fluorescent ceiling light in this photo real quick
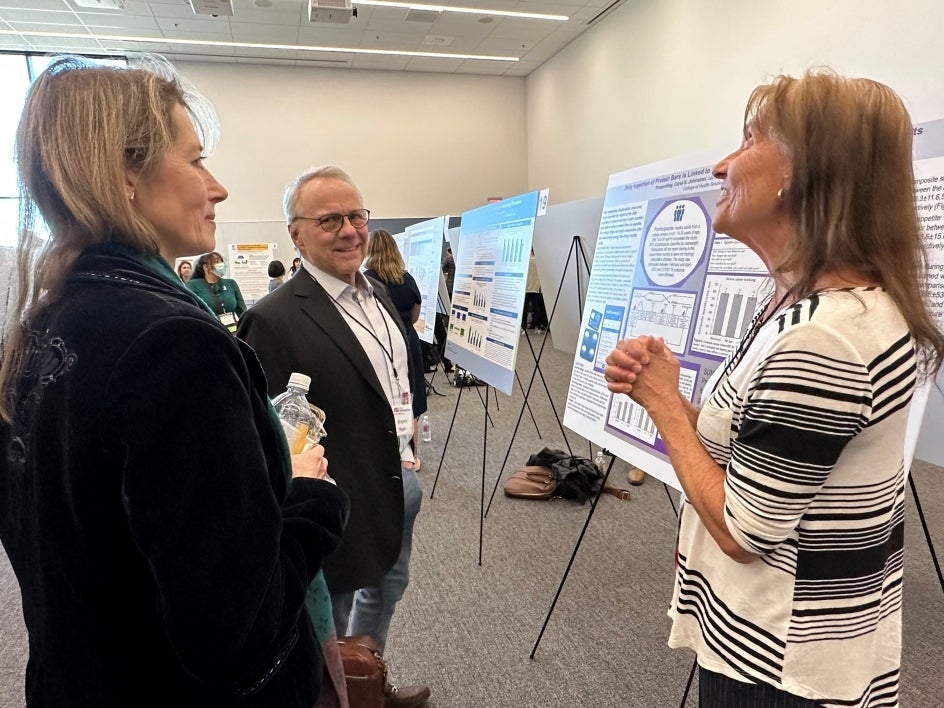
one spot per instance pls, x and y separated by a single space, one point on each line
105 38
466 10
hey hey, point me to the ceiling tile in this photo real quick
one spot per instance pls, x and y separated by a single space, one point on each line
286 22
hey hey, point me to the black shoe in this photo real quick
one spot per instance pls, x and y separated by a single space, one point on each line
405 696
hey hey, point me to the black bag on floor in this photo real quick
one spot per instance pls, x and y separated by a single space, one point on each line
464 378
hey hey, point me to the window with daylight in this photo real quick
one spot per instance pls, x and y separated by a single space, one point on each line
16 74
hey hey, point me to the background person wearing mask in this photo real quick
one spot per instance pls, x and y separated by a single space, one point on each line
163 550
221 294
790 541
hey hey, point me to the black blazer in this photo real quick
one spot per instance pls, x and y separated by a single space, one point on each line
298 328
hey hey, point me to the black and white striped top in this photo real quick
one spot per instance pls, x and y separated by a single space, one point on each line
810 427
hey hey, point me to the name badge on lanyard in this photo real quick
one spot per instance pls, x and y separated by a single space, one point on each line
403 414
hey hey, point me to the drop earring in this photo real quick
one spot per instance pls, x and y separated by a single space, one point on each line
779 194
131 196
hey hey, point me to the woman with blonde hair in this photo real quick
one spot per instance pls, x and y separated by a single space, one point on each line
385 264
163 548
790 540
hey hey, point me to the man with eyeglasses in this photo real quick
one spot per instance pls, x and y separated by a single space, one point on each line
341 329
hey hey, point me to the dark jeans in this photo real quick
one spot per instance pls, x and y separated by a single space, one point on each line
718 691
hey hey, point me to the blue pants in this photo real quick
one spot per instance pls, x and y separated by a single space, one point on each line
369 610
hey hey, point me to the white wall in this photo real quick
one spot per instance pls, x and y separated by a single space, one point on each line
659 78
415 144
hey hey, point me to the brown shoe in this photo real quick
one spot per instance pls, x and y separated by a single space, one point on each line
405 696
636 476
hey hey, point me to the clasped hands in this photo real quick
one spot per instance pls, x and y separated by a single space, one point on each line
643 368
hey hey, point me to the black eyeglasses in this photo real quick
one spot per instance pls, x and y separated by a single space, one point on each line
332 223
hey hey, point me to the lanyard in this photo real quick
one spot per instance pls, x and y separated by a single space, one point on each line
370 330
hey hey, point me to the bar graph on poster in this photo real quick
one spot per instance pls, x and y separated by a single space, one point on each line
660 269
488 295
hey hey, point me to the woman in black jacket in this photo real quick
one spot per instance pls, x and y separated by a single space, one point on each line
164 544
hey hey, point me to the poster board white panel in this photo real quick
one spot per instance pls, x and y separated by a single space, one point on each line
424 245
488 293
553 246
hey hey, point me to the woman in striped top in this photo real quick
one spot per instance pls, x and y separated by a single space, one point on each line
789 572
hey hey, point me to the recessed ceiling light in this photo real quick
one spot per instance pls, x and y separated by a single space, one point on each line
464 10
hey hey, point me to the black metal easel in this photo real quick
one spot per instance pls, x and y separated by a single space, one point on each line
577 254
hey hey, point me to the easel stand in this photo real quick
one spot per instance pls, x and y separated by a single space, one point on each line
593 506
430 389
577 254
927 533
485 424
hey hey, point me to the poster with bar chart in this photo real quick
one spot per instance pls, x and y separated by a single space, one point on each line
659 269
494 250
424 243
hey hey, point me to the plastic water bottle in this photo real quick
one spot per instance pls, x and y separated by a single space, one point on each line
300 424
600 461
426 430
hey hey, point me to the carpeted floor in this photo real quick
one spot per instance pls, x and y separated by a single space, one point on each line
467 629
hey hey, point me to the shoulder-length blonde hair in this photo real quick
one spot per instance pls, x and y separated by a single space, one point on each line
384 257
82 127
851 193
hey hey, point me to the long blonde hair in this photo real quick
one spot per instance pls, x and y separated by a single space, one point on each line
851 195
384 257
82 127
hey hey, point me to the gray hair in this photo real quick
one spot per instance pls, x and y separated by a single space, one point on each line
290 201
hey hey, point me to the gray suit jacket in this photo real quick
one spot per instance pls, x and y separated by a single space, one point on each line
298 328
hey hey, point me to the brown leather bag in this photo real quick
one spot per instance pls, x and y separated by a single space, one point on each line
531 482
365 673
539 482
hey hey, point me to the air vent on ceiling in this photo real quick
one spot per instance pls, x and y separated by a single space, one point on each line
337 11
214 8
417 15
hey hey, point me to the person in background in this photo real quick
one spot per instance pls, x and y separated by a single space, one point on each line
296 264
335 325
385 264
164 544
789 560
184 269
221 294
276 274
535 314
431 356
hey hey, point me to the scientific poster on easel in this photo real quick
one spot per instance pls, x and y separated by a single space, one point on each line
659 269
249 267
488 293
423 246
929 194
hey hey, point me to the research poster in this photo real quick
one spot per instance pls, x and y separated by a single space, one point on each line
424 245
249 267
659 269
929 195
492 259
